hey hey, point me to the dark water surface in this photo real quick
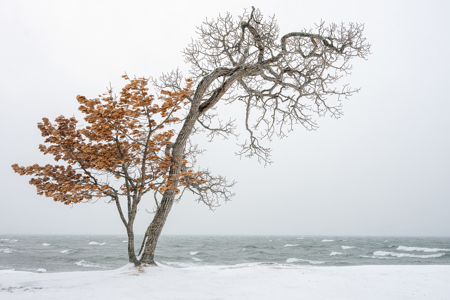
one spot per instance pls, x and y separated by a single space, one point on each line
59 253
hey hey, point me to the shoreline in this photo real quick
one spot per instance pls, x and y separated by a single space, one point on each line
246 281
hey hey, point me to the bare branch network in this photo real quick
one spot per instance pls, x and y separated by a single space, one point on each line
281 81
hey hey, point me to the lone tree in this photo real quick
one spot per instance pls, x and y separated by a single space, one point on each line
281 82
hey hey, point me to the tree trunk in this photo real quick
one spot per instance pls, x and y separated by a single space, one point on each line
131 254
155 228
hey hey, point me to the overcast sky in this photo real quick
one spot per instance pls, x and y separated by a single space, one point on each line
382 169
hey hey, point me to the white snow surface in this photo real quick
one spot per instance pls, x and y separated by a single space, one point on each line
249 281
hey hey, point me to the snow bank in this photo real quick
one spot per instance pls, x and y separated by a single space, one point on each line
250 281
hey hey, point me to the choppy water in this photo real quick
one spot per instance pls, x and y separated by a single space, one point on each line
83 253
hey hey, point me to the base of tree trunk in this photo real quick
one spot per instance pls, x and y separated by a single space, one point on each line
139 264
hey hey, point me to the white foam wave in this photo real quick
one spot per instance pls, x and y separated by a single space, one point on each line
87 264
193 252
300 238
347 247
313 262
291 245
9 240
6 250
196 259
404 248
96 243
41 270
395 254
335 253
327 240
124 241
377 257
45 244
65 251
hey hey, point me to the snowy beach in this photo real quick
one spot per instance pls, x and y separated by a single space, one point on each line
246 281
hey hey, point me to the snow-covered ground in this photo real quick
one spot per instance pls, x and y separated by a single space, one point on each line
251 281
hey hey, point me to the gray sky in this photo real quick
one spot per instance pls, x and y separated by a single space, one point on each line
382 169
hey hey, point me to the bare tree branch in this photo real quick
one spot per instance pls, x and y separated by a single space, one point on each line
282 81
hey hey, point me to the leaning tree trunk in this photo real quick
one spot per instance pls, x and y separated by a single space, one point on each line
154 229
197 109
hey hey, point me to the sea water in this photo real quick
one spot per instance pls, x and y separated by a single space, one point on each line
57 253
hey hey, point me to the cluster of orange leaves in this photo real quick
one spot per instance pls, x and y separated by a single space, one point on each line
124 137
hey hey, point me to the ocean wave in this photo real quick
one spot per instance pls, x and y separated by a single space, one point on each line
67 251
45 244
87 264
313 262
9 240
335 253
347 247
96 243
404 248
395 254
41 270
292 245
327 240
376 257
196 259
193 252
6 250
